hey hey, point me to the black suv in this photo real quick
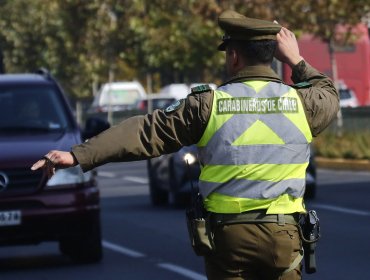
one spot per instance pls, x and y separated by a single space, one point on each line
35 117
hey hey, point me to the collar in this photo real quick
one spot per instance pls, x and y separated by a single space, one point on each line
258 72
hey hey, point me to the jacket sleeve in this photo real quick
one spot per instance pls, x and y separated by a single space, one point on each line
321 100
147 136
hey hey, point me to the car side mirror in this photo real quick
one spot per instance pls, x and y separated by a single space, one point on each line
93 127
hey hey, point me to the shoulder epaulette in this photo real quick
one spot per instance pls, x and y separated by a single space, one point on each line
302 85
200 89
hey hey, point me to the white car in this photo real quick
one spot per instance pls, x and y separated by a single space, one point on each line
118 96
180 91
347 96
177 91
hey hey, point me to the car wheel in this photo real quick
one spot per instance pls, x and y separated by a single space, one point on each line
177 198
158 197
85 248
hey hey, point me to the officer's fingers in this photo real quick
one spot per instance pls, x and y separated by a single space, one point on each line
55 157
278 37
285 33
39 164
51 156
282 40
61 159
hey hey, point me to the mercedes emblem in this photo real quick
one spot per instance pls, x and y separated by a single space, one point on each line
4 181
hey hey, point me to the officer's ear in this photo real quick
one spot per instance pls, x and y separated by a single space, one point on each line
232 56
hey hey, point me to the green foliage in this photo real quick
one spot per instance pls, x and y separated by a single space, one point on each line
84 43
318 17
354 145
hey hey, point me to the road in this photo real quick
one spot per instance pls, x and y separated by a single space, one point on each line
143 242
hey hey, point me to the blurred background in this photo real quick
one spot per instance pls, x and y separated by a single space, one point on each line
119 58
85 44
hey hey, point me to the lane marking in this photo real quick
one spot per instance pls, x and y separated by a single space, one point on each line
182 271
122 250
136 179
106 174
341 209
168 266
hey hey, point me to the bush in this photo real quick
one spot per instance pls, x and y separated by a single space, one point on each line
354 145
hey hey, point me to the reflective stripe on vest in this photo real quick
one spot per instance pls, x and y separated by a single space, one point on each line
256 144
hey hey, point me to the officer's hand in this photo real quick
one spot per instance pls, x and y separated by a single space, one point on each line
287 50
55 159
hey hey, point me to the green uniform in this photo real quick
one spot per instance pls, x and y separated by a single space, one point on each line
268 246
143 137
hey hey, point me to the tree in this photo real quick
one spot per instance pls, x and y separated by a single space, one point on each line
80 42
318 17
46 37
177 40
85 43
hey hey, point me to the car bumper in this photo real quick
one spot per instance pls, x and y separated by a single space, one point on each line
50 215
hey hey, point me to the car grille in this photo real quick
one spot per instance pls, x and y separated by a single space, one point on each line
20 181
20 204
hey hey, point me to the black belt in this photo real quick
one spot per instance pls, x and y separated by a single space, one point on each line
253 217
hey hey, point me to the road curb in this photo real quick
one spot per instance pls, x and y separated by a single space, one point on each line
343 164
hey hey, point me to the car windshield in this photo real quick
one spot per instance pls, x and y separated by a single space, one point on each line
35 108
345 94
160 103
119 97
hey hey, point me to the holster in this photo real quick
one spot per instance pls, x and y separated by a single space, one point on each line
200 234
310 233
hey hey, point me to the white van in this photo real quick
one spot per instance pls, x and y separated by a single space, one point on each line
180 91
177 91
118 96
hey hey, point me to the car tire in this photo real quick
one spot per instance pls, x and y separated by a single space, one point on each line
158 197
176 198
85 248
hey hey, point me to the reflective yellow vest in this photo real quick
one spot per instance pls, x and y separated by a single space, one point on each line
255 149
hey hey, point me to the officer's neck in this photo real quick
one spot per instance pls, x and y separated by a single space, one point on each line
249 67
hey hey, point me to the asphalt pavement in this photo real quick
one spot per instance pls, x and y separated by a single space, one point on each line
144 242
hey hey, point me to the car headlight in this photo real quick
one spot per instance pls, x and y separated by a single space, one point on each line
189 158
69 176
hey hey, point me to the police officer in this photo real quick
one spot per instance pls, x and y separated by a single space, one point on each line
253 134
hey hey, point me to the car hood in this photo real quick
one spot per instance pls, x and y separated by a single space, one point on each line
23 150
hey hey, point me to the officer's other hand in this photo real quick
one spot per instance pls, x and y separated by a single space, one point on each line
55 159
287 50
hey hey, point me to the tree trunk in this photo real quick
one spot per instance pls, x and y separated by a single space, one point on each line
334 71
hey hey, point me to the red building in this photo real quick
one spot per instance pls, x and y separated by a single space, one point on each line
353 61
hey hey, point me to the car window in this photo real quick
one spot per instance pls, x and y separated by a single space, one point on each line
155 103
162 103
345 94
37 107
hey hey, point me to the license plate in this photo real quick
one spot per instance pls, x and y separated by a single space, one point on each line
10 218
